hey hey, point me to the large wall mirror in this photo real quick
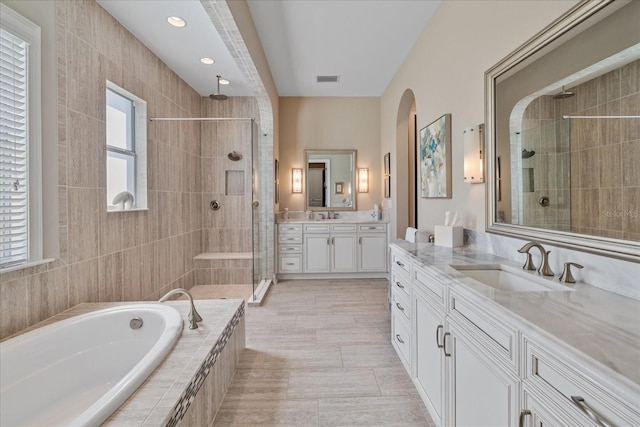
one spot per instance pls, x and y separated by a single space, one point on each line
330 178
563 133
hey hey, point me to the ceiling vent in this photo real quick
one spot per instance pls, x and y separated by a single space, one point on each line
327 79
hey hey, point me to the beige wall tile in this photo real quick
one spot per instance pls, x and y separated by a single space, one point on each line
83 282
610 167
110 277
48 294
83 224
82 163
631 210
13 306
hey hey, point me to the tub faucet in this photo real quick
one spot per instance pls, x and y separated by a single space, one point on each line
193 317
544 268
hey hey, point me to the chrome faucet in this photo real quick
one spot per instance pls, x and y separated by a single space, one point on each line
193 317
544 268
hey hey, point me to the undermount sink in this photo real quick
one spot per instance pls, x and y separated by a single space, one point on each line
509 279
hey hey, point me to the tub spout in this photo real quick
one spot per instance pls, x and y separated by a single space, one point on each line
193 317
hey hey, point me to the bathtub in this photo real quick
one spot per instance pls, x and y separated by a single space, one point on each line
78 371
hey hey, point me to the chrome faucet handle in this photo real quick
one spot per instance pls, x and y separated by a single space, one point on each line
528 264
545 269
566 276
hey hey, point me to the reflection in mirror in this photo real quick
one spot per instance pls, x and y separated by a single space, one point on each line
564 118
330 179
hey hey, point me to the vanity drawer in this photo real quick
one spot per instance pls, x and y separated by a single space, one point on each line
290 249
400 284
564 382
343 228
433 287
289 238
400 263
317 228
291 263
401 336
401 305
378 228
496 335
289 228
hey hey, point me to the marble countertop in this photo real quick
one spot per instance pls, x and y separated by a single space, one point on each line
597 323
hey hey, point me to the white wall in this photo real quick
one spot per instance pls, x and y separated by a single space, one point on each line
445 70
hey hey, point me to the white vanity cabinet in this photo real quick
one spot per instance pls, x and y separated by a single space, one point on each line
333 250
372 247
290 248
474 364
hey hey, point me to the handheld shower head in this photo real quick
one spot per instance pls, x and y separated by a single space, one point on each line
218 96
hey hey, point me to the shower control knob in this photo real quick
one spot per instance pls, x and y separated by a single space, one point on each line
215 205
255 203
544 201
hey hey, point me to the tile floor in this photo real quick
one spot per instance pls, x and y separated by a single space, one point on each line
319 354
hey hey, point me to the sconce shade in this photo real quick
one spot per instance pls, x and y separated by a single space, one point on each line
363 180
296 180
473 154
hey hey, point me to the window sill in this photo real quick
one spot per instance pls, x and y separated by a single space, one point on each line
109 210
26 265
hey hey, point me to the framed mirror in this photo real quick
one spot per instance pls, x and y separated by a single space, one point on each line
562 119
330 180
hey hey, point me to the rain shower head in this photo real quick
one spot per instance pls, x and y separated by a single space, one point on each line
235 156
218 96
564 94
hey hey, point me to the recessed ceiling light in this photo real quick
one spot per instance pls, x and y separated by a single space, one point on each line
176 21
224 82
207 61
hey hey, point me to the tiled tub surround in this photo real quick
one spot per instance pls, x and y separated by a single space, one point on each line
188 387
594 330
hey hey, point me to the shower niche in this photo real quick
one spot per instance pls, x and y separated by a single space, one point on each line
234 183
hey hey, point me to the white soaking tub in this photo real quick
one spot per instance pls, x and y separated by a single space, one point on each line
78 371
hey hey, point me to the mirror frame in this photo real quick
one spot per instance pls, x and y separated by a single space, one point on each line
617 248
354 172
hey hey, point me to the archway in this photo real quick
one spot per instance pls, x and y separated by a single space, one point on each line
405 169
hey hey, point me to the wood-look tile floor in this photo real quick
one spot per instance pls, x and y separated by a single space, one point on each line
319 354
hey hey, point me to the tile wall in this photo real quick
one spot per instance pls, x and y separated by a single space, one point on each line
117 256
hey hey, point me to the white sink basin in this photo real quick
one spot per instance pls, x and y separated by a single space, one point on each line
510 279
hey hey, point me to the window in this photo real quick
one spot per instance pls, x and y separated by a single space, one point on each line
20 163
126 149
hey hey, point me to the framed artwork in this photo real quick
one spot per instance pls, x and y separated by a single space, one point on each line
435 159
276 180
387 164
339 187
387 187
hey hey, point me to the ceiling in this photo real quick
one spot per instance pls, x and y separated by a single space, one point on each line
361 41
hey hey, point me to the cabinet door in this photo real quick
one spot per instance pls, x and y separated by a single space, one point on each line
343 253
316 253
429 361
481 393
539 412
372 252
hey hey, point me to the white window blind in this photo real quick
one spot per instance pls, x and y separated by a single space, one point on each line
14 212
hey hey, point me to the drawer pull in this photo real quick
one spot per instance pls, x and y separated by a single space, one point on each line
291 263
360 240
328 241
579 401
523 414
400 264
438 329
398 284
399 338
444 344
371 228
401 308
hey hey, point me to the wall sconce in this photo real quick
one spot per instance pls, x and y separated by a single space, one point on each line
296 180
473 155
363 180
